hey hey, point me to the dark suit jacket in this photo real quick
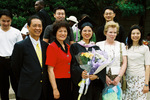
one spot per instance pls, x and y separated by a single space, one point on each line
46 20
27 69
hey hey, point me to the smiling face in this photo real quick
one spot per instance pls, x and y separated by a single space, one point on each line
60 14
87 33
35 28
5 22
61 34
135 35
111 34
109 15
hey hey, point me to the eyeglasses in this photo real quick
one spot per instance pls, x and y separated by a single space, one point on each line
60 13
109 13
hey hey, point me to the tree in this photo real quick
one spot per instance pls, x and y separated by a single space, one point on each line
22 9
131 7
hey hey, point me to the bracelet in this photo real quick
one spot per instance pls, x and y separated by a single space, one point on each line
120 76
146 85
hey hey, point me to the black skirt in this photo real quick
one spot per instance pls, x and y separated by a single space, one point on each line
64 87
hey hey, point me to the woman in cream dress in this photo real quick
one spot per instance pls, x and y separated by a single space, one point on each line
137 73
114 71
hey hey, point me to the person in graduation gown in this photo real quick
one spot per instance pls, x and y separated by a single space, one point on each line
77 73
58 59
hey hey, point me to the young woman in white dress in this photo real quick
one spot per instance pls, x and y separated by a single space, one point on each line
137 73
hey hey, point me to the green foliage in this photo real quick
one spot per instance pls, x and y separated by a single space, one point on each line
148 4
18 22
22 9
130 8
70 5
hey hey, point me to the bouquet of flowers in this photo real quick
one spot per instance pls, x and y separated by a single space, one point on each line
93 62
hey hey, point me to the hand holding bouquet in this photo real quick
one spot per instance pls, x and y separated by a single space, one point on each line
93 62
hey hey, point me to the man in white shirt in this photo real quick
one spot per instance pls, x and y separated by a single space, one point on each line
8 37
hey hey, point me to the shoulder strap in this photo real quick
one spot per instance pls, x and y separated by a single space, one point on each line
120 54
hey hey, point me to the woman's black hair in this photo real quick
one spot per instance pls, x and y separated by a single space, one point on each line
59 24
130 42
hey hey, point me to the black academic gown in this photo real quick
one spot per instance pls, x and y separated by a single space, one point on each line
96 86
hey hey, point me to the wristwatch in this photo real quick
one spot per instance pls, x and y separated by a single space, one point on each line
146 85
120 76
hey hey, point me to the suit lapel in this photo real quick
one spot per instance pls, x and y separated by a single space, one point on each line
32 51
43 53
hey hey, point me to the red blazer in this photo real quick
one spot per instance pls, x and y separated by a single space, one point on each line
58 59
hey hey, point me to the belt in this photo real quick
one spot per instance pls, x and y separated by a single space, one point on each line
7 57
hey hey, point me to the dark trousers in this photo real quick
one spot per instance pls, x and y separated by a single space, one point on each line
41 97
5 73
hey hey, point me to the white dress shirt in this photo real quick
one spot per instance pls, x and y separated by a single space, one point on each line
34 42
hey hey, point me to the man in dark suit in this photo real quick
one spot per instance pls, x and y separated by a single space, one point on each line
41 12
28 63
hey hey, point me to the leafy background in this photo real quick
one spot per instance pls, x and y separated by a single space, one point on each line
22 9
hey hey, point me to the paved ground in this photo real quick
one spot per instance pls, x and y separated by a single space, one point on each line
12 96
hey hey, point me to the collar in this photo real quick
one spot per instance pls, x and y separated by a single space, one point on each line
59 45
34 41
6 30
82 43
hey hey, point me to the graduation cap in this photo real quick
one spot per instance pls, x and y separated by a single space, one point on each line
86 22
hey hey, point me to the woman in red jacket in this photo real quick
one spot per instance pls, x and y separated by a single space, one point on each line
58 61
